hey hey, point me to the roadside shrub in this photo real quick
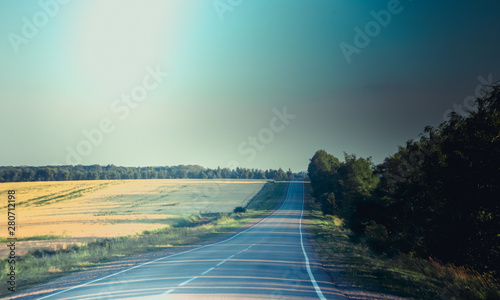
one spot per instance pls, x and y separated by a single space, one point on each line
239 209
328 204
377 237
39 253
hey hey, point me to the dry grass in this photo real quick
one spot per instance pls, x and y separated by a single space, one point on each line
41 265
82 211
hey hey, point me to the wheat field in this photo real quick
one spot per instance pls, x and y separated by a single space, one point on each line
75 212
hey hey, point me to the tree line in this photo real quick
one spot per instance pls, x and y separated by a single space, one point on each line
96 172
438 196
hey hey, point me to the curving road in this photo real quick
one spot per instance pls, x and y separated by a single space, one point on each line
271 260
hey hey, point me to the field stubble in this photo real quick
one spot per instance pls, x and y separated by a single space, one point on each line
56 215
106 255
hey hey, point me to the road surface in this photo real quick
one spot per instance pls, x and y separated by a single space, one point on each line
271 260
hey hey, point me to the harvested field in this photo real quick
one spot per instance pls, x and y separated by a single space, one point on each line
61 213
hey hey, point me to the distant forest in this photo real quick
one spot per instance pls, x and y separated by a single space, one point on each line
96 172
438 196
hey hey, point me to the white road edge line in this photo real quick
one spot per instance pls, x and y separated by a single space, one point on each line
188 281
311 276
165 257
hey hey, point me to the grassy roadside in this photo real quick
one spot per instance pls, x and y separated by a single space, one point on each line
42 265
405 276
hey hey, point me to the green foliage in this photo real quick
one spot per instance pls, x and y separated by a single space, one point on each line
341 186
328 203
438 196
268 198
404 275
96 172
239 209
354 261
322 170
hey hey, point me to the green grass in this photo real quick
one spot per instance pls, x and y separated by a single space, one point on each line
41 265
405 275
268 197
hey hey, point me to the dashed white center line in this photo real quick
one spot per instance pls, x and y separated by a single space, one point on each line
188 281
245 249
207 271
168 292
221 262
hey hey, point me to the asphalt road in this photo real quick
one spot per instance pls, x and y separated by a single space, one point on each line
271 260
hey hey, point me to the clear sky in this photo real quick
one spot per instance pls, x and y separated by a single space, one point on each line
253 83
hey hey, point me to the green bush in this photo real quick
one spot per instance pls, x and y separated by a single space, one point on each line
239 209
377 237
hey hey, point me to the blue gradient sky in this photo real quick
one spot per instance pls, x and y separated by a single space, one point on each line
226 76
